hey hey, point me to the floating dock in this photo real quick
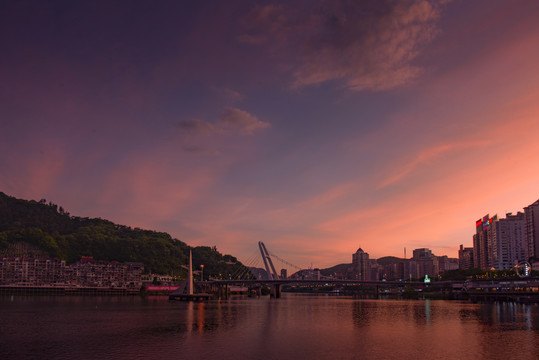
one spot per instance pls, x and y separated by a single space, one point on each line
190 297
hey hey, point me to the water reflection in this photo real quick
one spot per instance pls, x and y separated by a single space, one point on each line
509 316
360 314
427 310
296 326
420 312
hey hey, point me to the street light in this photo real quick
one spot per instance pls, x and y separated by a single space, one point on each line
201 272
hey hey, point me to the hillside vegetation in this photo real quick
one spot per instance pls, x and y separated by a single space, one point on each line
54 233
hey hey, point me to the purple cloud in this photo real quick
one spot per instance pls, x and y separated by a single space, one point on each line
232 120
197 126
368 45
240 121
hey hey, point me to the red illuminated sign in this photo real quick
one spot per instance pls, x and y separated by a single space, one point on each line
485 222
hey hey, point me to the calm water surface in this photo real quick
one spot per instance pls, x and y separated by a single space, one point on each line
294 327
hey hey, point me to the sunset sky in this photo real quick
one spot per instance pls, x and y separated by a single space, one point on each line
314 126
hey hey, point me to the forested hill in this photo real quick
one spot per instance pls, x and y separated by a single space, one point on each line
50 230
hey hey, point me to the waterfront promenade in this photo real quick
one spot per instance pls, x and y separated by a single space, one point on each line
478 290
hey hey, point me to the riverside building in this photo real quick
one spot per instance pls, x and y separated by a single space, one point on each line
466 257
361 265
532 233
482 249
504 243
423 262
508 241
87 272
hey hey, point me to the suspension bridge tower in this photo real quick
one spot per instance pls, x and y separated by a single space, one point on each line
270 269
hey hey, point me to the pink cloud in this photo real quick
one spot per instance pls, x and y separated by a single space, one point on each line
34 173
428 155
149 191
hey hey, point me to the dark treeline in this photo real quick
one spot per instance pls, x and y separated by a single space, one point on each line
55 233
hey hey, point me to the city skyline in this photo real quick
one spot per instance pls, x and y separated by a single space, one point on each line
315 127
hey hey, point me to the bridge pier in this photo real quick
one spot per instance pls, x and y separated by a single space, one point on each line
276 290
222 292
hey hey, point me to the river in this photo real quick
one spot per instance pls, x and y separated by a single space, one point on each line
297 326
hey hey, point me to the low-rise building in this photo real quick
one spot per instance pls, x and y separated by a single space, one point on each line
85 273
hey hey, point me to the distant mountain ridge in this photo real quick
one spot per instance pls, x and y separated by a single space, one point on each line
49 229
344 268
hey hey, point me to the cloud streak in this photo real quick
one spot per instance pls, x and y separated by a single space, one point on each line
232 121
240 121
197 127
426 156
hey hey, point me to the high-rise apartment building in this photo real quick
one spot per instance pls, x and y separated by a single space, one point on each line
482 242
532 231
361 265
504 243
422 263
508 241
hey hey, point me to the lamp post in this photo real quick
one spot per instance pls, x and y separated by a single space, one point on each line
201 272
